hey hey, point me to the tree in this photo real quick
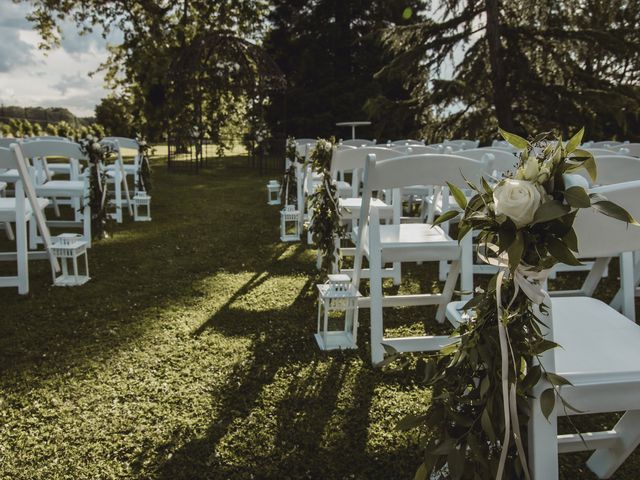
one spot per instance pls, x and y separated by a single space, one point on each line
179 59
329 51
524 65
115 114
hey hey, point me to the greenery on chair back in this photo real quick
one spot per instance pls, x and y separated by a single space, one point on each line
477 421
144 172
325 224
289 184
98 156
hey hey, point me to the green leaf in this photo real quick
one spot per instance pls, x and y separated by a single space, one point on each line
561 252
550 211
409 422
485 384
486 186
515 140
485 422
455 462
577 197
515 251
532 377
421 473
615 211
571 240
575 141
591 167
459 196
445 217
556 380
547 402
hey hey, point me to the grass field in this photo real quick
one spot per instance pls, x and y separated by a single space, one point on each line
190 355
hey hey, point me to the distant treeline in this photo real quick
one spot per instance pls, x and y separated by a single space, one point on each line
35 121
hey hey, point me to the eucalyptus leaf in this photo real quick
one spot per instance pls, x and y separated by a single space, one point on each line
561 252
515 251
409 422
547 402
458 195
445 217
615 211
550 211
575 141
515 140
577 197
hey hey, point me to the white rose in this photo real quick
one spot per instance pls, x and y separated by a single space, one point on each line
518 200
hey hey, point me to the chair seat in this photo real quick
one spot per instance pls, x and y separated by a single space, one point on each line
414 242
129 168
10 176
61 188
350 207
599 344
8 208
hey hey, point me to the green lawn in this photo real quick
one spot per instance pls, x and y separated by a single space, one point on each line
190 355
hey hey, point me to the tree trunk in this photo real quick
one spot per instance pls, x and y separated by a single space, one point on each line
501 94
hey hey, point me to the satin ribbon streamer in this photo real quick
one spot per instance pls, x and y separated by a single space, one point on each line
530 282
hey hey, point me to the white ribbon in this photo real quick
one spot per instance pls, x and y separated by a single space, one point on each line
530 281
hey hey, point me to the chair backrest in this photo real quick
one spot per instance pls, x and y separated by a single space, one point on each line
597 152
406 142
344 147
358 142
416 149
463 144
122 142
602 236
494 158
616 169
355 158
46 137
12 158
304 149
7 142
52 148
632 149
605 144
427 169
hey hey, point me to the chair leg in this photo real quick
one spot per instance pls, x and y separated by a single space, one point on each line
543 443
447 291
22 257
86 220
375 309
605 462
397 273
627 285
466 268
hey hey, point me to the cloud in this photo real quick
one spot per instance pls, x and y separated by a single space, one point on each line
72 82
60 77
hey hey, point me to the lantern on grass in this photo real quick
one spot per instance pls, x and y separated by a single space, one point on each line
141 207
68 248
289 224
273 192
337 313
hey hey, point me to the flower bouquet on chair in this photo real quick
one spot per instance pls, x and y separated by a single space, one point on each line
475 426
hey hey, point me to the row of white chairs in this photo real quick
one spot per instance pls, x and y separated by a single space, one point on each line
31 166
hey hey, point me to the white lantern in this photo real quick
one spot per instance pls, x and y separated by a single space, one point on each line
69 247
337 313
273 192
289 224
141 207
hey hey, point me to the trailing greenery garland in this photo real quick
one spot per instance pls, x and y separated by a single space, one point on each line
325 224
144 172
528 221
98 156
289 180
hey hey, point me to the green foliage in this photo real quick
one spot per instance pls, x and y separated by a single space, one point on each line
325 224
144 173
466 414
523 64
329 52
98 158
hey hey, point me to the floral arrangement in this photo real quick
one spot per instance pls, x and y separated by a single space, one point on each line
144 172
325 224
477 420
98 155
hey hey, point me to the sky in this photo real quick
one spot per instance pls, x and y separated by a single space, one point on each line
30 77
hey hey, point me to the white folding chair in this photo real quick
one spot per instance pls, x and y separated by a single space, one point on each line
410 242
599 355
118 173
64 189
23 209
358 142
